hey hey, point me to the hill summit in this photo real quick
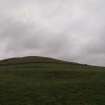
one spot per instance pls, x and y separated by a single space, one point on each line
31 59
41 60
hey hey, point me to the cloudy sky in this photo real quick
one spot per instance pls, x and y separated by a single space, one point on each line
72 30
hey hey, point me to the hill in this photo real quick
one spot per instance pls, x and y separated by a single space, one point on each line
32 59
46 81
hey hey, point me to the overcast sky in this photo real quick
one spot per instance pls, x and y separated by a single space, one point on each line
72 30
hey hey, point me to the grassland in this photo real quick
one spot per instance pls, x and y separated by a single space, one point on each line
44 81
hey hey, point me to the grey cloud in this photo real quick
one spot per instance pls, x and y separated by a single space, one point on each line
67 29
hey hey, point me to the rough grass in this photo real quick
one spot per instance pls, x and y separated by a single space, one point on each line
52 84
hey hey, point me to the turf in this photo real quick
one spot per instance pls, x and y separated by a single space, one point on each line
45 81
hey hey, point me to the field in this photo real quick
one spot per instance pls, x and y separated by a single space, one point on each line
45 81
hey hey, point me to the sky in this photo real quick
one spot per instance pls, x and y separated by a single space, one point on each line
72 30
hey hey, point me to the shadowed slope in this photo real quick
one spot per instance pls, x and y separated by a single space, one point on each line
43 60
31 59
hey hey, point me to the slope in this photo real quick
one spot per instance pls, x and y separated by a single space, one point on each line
47 81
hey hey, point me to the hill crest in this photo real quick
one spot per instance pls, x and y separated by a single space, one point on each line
32 59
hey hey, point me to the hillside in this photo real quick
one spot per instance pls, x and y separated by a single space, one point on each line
46 81
32 59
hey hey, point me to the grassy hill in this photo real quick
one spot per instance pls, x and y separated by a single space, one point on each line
46 81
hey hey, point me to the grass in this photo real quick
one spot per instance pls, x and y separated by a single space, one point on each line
44 83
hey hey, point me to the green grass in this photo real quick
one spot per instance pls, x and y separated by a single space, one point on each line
53 83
